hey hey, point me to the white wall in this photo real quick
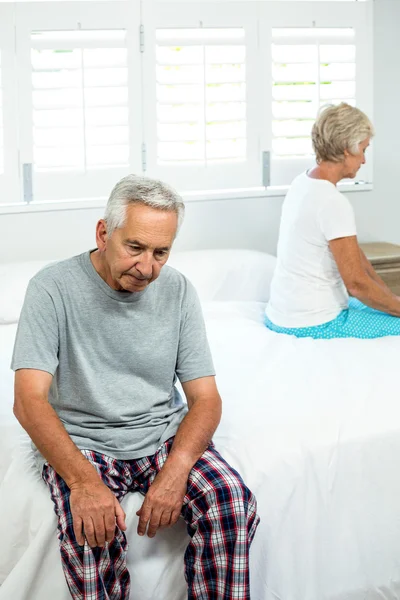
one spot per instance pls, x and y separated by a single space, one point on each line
251 223
385 214
238 223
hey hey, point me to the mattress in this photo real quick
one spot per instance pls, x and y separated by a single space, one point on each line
314 428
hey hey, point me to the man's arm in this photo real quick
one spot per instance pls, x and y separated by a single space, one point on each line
94 507
163 503
197 428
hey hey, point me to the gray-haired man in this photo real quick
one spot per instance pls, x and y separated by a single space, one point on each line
97 355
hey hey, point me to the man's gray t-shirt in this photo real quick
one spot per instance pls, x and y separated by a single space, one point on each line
115 356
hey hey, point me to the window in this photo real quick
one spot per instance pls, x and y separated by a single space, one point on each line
76 79
201 95
192 92
80 103
311 66
200 86
80 100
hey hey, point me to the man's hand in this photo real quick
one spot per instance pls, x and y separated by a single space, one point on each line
95 512
163 502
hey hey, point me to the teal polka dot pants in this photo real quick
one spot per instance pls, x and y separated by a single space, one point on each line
357 321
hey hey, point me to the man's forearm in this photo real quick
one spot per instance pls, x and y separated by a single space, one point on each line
194 434
42 424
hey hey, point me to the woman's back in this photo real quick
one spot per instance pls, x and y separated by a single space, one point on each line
307 288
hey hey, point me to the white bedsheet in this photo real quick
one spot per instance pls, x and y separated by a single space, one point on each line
313 427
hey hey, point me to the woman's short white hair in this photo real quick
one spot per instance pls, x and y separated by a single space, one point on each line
339 128
134 189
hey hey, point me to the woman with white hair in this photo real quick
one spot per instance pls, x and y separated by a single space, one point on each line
319 260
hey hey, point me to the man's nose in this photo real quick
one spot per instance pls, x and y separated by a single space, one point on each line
145 265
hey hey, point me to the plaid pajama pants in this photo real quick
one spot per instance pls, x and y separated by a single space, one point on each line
219 510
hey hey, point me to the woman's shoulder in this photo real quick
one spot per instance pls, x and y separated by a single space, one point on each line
320 190
305 189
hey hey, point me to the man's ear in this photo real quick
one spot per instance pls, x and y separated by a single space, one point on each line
101 235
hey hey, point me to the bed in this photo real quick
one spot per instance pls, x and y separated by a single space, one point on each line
312 425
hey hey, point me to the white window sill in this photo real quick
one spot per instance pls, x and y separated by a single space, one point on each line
201 196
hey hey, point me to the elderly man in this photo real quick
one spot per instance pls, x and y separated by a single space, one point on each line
101 341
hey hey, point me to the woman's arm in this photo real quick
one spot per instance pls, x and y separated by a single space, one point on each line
359 281
371 271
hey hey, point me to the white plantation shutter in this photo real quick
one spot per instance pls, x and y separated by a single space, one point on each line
311 67
200 131
207 68
80 100
80 107
190 92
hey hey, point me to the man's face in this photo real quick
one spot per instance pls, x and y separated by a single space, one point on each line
134 254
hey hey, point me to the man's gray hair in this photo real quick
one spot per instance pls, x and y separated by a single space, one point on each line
339 128
134 189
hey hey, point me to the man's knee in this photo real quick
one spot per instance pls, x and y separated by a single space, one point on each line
237 493
228 487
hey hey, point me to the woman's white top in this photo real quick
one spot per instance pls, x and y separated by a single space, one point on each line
307 288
